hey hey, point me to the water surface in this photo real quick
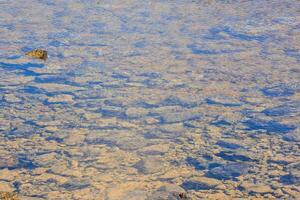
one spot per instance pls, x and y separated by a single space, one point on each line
150 99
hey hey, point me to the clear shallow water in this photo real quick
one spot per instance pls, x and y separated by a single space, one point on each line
147 100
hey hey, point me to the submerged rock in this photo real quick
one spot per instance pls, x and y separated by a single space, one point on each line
136 112
228 145
5 186
180 116
169 192
229 171
8 161
200 183
256 188
293 176
150 165
222 100
280 90
61 98
195 163
292 136
234 156
12 98
271 127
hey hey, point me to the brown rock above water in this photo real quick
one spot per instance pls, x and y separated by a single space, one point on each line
38 53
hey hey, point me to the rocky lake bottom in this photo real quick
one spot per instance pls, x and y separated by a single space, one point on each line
150 100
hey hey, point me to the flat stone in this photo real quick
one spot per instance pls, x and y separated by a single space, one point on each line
8 175
293 176
130 143
280 90
135 112
270 127
62 98
150 165
4 124
6 187
155 149
8 161
234 155
11 98
137 194
200 183
292 136
46 177
75 138
260 189
229 171
226 101
47 159
169 192
179 117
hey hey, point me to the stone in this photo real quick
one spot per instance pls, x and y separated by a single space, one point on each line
61 98
227 101
270 127
135 112
73 139
259 189
278 193
169 192
195 163
229 171
234 155
150 165
46 159
292 136
6 187
293 176
179 117
228 144
8 175
38 53
8 161
280 90
292 192
11 98
137 194
155 149
200 183
52 177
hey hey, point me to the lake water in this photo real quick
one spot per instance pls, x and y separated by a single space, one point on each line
150 100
